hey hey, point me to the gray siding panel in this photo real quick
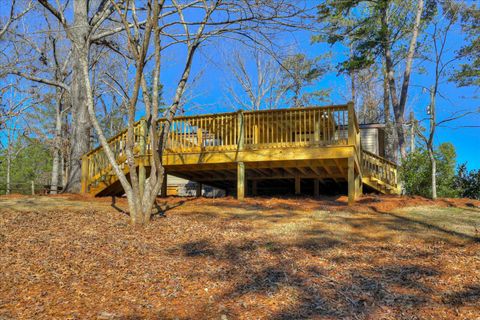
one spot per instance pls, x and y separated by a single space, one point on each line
369 139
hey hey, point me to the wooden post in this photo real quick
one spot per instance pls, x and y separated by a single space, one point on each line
240 130
85 177
360 186
33 188
255 134
254 187
352 182
240 180
297 185
200 137
351 123
316 188
142 173
163 192
198 190
317 128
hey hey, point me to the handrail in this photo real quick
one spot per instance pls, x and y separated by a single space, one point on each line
114 137
380 157
379 168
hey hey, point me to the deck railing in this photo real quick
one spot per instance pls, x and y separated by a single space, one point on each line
379 168
300 127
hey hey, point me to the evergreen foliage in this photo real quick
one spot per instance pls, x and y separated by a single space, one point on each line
468 182
32 161
416 170
469 72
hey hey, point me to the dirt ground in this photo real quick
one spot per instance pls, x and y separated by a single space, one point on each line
74 257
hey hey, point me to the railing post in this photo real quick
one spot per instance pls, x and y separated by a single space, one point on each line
351 123
240 130
200 137
85 177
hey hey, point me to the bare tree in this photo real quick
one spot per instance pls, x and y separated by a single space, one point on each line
8 111
84 30
439 38
399 101
255 90
368 94
211 19
14 15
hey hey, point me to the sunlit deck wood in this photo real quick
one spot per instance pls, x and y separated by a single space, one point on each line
319 143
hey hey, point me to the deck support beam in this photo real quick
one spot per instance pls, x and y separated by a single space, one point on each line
353 181
297 185
240 180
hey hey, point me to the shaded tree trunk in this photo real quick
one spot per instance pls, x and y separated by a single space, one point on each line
399 103
57 145
9 163
81 127
433 162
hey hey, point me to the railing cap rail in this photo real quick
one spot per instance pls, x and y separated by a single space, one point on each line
379 157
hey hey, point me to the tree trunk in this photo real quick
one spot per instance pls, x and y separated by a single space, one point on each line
433 162
57 146
398 104
81 127
9 164
412 132
352 79
406 76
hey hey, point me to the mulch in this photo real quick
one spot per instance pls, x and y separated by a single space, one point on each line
222 259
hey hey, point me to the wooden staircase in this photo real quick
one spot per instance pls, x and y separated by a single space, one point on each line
379 173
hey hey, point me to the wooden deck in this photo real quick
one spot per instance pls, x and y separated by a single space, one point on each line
239 151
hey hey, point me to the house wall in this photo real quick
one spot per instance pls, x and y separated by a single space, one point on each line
369 138
372 137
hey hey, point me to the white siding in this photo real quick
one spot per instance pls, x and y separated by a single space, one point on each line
369 139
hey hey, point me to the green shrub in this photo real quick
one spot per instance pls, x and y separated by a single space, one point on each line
415 172
468 182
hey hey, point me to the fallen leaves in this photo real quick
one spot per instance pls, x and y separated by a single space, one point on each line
222 259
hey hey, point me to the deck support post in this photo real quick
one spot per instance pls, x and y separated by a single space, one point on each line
198 190
353 178
359 186
316 188
240 180
254 188
163 192
297 185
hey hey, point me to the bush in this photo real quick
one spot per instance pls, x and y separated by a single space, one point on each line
415 172
468 182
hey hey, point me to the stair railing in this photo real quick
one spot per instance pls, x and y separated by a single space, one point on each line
379 168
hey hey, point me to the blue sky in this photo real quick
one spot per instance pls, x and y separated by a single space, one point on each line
210 92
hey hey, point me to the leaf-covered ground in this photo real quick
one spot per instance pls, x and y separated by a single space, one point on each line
69 257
